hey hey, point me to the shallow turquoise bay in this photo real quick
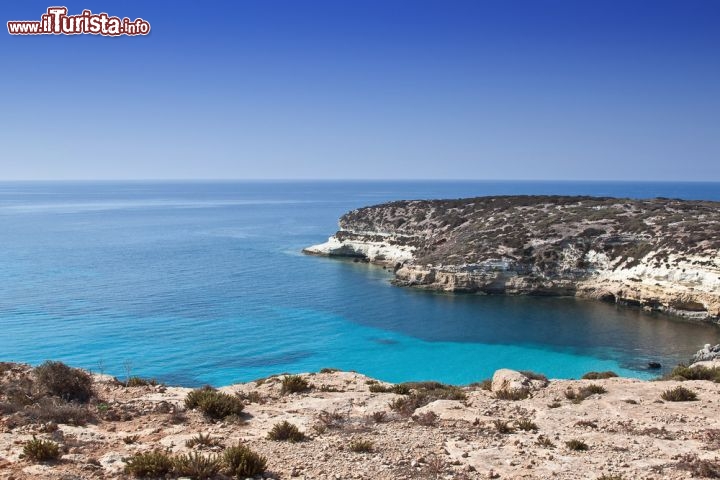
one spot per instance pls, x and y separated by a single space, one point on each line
197 283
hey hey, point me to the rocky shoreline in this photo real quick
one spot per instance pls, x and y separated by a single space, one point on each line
660 254
517 425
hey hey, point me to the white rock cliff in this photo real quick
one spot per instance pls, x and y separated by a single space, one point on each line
661 255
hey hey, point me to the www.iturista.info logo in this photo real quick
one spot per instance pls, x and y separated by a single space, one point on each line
57 22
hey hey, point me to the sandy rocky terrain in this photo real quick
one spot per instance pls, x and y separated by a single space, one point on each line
630 433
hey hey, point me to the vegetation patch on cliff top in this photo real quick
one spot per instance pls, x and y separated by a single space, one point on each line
534 230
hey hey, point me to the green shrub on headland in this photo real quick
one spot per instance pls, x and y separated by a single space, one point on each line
59 380
285 432
241 462
679 394
599 375
294 384
213 404
41 450
699 372
237 462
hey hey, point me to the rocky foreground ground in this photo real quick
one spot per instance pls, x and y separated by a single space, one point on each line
517 426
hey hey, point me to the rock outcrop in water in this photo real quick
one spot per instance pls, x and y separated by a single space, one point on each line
659 254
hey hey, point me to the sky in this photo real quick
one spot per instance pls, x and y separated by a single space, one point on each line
367 89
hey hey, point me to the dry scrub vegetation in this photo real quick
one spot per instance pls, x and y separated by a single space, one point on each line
286 426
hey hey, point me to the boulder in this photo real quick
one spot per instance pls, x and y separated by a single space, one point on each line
506 379
707 364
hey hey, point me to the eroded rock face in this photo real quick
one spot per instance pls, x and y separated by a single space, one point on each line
659 254
707 353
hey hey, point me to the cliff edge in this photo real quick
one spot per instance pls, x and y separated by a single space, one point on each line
659 254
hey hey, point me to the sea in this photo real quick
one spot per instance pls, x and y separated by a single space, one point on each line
196 283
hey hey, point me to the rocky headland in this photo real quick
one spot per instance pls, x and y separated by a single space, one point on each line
659 254
62 423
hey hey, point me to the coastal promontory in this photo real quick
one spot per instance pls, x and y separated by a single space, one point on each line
659 254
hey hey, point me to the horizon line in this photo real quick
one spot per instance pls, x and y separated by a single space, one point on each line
299 180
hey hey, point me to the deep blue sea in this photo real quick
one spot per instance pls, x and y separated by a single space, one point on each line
195 283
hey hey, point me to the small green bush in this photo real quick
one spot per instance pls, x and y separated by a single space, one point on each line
586 424
155 464
699 467
534 375
197 396
594 389
682 372
252 396
196 466
503 427
18 394
577 445
241 462
361 446
514 394
377 417
599 375
330 388
400 389
432 390
407 405
327 420
584 392
483 385
294 384
285 432
679 394
329 370
427 419
203 441
544 442
526 425
58 411
320 428
140 382
573 396
213 404
41 450
59 380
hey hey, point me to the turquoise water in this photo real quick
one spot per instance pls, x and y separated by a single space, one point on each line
197 283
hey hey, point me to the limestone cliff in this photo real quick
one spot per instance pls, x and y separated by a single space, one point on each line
659 254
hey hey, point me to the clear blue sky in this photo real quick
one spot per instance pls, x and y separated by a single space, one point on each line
501 89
